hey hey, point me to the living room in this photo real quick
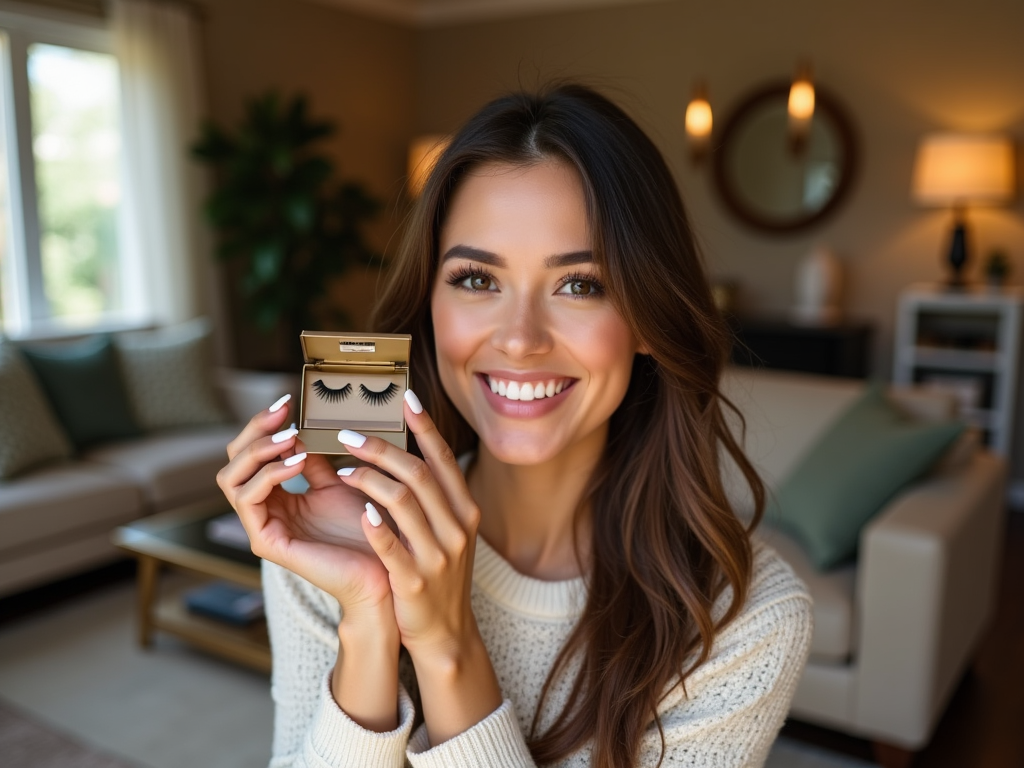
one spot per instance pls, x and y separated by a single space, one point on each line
386 73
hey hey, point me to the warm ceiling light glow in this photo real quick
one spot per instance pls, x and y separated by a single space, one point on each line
954 169
423 154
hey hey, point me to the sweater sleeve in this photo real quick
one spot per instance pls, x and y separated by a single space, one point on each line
729 717
310 729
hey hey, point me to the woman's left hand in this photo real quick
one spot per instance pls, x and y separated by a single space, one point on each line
430 566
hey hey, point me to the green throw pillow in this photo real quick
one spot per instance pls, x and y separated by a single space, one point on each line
82 381
169 375
867 456
29 432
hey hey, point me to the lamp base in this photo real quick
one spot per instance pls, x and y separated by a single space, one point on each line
958 253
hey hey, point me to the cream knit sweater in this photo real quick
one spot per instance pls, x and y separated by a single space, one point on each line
735 706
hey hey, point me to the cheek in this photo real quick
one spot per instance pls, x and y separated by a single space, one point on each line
605 346
454 340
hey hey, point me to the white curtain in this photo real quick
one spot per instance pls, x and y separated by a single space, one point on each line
164 238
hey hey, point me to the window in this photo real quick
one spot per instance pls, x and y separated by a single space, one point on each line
60 266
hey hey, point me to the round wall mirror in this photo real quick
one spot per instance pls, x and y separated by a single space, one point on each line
776 180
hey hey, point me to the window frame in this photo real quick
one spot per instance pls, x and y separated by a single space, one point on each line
26 307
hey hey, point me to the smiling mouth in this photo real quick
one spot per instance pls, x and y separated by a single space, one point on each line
525 391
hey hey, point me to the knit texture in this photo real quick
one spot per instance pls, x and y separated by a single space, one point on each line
735 704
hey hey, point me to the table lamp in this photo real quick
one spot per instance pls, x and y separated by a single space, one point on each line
956 170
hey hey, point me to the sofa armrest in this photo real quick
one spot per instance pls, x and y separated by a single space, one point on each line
246 393
926 582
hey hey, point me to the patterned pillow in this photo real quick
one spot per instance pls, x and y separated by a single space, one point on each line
169 375
29 430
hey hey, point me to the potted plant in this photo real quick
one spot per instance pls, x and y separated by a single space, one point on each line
997 268
277 208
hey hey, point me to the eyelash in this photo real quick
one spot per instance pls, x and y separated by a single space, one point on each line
463 273
331 395
368 395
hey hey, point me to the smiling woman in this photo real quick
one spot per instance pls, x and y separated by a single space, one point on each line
576 589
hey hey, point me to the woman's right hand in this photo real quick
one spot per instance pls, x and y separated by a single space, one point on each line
316 535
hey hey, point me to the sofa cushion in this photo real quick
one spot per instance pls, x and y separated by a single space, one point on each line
170 378
29 430
83 383
171 467
56 500
864 458
834 640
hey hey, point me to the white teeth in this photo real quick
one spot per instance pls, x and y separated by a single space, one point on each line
527 390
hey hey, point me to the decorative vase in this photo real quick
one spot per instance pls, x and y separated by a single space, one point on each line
819 284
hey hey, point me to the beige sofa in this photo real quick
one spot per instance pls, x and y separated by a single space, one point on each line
56 520
894 631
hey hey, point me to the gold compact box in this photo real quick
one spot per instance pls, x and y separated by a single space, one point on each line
353 381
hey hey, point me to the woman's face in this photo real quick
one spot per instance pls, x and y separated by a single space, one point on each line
530 349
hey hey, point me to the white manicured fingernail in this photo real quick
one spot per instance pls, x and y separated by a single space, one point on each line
277 406
373 515
350 438
284 434
414 402
291 461
346 471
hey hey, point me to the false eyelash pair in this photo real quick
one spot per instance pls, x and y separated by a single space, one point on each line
329 395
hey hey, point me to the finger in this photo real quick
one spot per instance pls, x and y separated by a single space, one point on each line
249 498
248 460
415 474
392 553
318 470
443 464
266 422
401 503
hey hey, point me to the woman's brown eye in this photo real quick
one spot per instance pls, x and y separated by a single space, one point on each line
480 282
581 287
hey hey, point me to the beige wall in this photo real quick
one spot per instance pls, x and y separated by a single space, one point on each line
355 71
901 69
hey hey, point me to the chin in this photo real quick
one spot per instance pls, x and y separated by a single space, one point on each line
521 450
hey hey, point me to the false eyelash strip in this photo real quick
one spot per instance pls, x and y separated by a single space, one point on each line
378 398
331 395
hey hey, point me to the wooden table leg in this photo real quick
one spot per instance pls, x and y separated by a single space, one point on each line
149 569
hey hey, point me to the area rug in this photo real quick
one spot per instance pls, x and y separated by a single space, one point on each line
26 742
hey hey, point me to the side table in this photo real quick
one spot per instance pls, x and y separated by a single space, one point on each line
842 349
176 539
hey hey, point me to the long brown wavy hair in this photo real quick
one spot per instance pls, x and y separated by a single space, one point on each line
665 540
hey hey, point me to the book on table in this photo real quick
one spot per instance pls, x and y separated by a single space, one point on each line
225 601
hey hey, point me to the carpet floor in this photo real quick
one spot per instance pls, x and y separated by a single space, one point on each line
75 680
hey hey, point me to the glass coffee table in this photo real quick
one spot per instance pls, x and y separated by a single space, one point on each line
177 540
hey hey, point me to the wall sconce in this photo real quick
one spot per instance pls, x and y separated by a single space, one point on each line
800 108
698 123
423 154
954 170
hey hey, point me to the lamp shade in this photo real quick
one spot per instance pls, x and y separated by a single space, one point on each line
956 169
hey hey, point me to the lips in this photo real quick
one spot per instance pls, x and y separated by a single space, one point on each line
526 391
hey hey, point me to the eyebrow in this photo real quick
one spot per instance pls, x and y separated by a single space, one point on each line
494 260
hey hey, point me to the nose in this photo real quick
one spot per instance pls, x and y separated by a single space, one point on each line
523 331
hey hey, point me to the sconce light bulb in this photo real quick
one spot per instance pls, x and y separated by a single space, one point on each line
801 100
698 118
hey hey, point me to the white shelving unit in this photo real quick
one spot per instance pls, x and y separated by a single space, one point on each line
969 342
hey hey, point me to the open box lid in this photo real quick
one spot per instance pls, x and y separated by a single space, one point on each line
363 348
